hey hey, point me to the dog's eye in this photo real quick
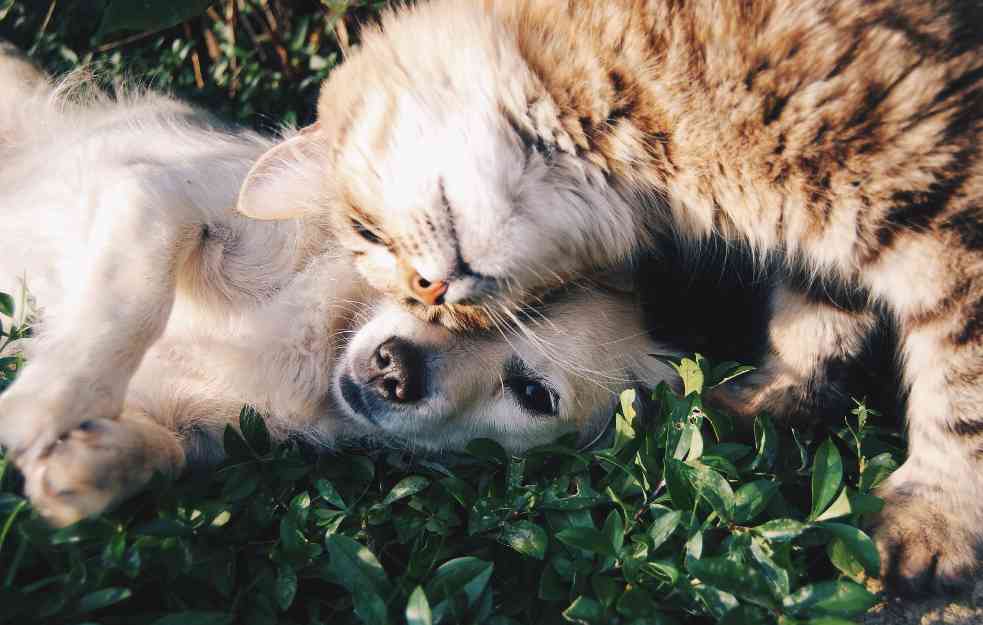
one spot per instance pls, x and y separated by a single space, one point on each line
532 394
365 233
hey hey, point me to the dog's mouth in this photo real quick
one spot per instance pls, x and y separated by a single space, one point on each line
351 395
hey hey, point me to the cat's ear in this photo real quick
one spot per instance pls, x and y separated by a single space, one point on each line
285 181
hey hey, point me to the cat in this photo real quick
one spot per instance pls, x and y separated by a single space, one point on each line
161 312
475 154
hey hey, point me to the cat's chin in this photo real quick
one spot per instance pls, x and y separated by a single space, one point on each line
455 317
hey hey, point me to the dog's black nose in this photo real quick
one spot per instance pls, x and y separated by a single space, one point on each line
396 371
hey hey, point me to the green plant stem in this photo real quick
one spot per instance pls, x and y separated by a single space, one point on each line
10 522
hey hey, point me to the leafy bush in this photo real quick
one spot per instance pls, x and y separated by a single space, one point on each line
680 518
257 62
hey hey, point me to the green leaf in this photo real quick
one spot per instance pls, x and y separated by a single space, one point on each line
525 537
163 527
717 602
720 465
730 451
418 608
253 428
747 614
666 522
725 372
286 587
827 477
679 486
636 603
781 530
624 430
694 449
6 304
242 482
776 576
515 473
607 589
355 567
370 608
327 492
858 543
627 402
836 598
691 374
844 560
734 578
405 487
663 570
588 539
195 617
712 487
694 546
585 610
752 498
300 506
861 503
488 449
829 620
839 507
236 447
584 497
766 444
147 15
468 575
115 549
877 469
102 599
614 529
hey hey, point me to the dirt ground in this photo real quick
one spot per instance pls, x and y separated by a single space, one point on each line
963 610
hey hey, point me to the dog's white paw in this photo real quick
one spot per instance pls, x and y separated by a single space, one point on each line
96 465
46 403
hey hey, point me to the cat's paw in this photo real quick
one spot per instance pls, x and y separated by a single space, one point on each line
755 393
925 547
96 465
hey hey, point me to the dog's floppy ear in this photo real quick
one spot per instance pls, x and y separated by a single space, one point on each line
285 180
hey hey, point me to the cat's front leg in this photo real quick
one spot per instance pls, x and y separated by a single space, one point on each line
807 335
118 287
930 532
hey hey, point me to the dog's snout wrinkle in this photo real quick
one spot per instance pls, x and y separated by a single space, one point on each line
395 371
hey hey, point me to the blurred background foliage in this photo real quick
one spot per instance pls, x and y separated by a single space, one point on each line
257 62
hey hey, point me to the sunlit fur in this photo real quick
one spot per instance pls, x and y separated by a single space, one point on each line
161 311
507 146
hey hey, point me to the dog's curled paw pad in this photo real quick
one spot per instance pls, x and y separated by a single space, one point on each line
924 549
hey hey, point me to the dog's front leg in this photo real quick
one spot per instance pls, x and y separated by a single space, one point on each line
118 283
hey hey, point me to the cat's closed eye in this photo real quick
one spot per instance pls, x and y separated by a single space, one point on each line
362 231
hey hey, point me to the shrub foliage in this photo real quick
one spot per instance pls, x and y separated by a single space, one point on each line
676 518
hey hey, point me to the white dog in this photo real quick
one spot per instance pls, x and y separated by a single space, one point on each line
161 311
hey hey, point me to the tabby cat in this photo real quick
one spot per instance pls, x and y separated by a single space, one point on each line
479 153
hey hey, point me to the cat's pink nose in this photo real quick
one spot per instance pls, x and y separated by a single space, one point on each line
425 291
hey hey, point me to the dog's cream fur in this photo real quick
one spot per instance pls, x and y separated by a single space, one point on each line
161 311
